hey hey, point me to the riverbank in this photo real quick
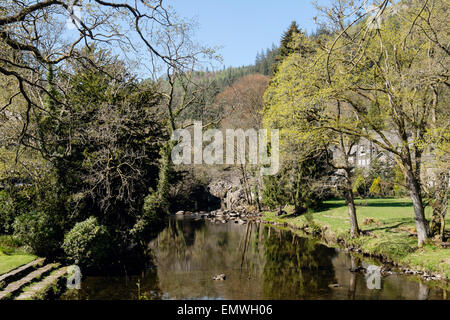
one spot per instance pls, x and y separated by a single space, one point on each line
388 233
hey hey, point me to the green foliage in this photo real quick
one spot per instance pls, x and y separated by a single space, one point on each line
113 138
360 185
302 184
40 230
399 182
157 202
287 45
375 188
276 192
367 83
382 172
88 243
40 215
7 212
311 183
98 139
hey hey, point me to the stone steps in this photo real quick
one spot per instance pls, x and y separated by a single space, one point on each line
42 289
13 288
19 272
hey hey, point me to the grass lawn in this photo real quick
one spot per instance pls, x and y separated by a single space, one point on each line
388 224
8 263
12 255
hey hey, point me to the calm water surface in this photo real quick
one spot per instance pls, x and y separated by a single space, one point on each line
260 262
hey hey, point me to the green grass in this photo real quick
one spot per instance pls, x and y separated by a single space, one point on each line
8 263
12 254
387 223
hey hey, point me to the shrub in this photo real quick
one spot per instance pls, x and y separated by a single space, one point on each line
88 243
40 231
7 212
375 188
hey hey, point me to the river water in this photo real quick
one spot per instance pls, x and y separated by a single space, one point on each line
259 261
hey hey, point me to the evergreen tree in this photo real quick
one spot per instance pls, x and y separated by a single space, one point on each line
287 40
294 40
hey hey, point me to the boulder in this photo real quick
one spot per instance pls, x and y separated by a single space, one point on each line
230 192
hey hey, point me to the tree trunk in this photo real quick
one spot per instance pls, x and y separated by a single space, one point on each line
256 189
440 205
350 201
354 228
419 212
297 193
245 185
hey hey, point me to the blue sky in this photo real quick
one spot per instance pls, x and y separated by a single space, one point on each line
244 27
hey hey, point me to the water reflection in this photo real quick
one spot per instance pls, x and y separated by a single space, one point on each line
260 262
295 268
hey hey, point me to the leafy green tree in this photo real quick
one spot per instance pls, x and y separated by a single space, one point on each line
389 68
380 84
297 103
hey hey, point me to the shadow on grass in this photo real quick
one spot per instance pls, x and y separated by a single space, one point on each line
328 206
369 202
289 216
390 227
383 204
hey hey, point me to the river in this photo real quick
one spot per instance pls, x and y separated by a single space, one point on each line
259 261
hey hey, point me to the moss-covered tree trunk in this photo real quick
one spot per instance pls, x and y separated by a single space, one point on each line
440 205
